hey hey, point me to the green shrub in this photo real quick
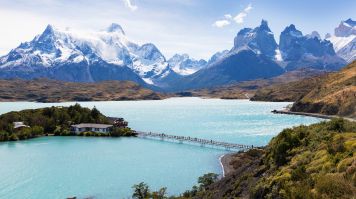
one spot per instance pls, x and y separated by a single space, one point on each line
299 173
117 132
37 130
13 137
337 124
4 136
334 186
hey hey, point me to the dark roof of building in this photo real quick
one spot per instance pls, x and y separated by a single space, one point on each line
90 125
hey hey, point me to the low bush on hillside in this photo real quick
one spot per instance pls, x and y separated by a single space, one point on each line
318 161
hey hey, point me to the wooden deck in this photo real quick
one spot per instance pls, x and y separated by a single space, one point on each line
202 142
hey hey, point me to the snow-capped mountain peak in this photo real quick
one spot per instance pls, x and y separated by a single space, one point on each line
346 28
310 50
184 65
56 47
114 27
260 40
292 31
313 34
344 40
264 26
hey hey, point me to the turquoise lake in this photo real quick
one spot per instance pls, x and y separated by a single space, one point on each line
60 167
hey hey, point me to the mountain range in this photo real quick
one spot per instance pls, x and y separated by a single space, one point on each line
344 40
108 54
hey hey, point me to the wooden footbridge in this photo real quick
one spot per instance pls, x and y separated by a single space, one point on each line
201 142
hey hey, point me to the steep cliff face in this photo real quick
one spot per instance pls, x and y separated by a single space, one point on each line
260 40
300 51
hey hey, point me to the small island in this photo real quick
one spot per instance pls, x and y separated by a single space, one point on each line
60 121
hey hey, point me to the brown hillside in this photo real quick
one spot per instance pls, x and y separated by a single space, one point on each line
335 95
44 90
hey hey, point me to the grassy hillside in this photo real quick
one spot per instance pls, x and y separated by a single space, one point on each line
287 92
264 87
44 90
317 161
334 95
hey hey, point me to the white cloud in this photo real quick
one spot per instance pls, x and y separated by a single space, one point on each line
130 5
228 16
221 23
248 8
239 18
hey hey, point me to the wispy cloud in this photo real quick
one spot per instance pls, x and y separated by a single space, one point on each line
239 18
130 5
224 22
221 23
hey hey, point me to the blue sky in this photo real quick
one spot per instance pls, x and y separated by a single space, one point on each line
197 27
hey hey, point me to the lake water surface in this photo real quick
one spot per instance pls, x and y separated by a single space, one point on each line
59 167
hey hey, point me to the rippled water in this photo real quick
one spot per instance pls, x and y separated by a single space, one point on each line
59 167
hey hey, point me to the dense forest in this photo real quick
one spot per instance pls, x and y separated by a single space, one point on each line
316 161
53 120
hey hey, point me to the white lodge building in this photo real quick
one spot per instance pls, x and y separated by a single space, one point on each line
88 127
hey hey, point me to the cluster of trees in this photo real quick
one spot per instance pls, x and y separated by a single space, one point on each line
142 190
52 120
23 134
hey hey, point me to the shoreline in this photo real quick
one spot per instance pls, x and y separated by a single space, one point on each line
224 161
317 115
120 100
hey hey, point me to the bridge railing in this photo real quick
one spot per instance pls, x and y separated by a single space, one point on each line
200 141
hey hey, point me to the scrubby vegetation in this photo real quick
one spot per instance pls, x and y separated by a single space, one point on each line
329 94
44 90
286 92
316 161
53 120
335 95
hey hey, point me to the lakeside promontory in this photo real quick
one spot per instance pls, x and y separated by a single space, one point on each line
330 94
60 121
